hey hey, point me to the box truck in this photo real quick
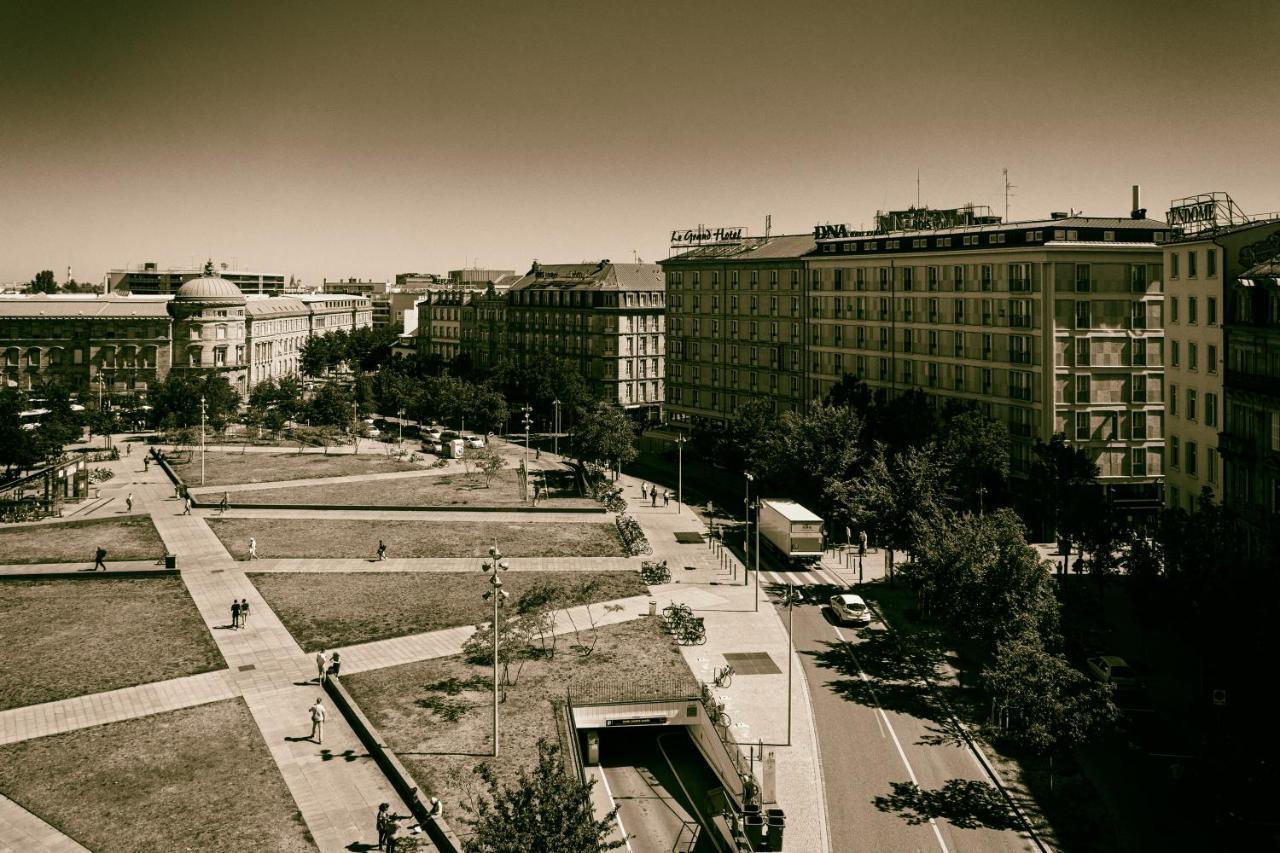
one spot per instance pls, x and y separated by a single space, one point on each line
793 531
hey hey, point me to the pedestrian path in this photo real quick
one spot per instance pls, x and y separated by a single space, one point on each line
514 515
206 491
84 566
50 718
23 832
442 564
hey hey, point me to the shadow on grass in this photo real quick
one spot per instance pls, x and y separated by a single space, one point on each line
963 803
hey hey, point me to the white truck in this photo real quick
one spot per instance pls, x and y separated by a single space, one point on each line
793 531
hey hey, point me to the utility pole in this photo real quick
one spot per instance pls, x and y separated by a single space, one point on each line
528 419
791 651
556 440
746 536
495 564
355 426
202 418
680 440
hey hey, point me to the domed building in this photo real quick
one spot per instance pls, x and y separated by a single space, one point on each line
209 328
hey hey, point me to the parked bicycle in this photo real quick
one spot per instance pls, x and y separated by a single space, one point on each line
723 677
718 715
655 573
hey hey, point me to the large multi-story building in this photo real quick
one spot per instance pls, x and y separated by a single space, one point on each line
440 322
149 279
122 345
1052 326
1209 249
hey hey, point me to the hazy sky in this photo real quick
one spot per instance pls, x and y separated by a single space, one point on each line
361 139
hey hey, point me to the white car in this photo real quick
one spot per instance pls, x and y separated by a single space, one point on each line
433 434
475 441
851 609
1110 669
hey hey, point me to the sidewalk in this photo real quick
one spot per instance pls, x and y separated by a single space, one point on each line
438 564
23 832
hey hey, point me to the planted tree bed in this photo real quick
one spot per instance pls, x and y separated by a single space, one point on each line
224 468
131 537
435 490
437 715
196 779
338 538
325 611
64 638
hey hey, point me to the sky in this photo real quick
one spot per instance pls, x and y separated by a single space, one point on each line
329 140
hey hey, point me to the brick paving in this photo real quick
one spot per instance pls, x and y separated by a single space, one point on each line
23 832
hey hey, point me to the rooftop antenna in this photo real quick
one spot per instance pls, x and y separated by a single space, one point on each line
768 225
1007 187
917 188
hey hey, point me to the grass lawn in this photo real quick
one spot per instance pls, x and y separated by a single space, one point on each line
131 537
196 779
437 715
456 489
64 638
324 611
338 538
228 468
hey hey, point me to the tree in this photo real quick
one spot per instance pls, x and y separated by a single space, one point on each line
547 809
975 450
176 400
331 406
908 420
807 452
487 460
1064 487
604 434
851 393
18 447
739 445
44 282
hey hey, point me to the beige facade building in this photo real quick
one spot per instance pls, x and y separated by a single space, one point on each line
1049 326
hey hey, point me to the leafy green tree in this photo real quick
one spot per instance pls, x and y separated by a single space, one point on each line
19 449
60 425
487 460
851 393
547 809
604 435
44 282
908 420
740 444
975 450
806 452
1063 487
486 408
331 406
175 401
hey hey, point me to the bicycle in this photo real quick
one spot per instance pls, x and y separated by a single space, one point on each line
723 677
692 632
718 715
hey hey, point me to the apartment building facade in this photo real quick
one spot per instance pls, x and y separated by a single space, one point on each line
1049 326
148 279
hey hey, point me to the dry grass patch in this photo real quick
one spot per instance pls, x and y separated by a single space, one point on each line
224 468
434 490
343 539
196 779
64 638
437 715
325 611
131 537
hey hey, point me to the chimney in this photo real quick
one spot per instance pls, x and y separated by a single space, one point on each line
1137 211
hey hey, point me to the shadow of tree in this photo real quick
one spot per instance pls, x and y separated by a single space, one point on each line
963 803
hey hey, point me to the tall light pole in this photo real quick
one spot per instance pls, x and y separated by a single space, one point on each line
680 440
202 417
400 429
556 440
757 508
355 426
792 598
528 419
746 537
495 564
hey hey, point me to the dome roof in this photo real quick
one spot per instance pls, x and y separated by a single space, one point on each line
210 288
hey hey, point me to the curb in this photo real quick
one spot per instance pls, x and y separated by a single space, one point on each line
66 576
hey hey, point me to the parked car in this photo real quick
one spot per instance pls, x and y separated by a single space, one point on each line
1110 669
850 609
433 447
433 434
474 441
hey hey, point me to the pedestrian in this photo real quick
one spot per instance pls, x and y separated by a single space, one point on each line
177 491
253 548
186 505
99 559
322 665
128 449
235 613
437 809
146 464
222 504
317 721
244 612
653 494
335 665
862 543
392 842
128 502
644 490
383 819
382 550
537 453
666 498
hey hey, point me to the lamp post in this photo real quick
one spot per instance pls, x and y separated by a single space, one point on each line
757 584
495 564
355 426
400 430
202 417
746 537
680 440
792 599
556 440
528 419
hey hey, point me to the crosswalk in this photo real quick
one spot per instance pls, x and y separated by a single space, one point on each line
823 575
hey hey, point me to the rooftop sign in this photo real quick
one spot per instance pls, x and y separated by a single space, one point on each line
701 234
1204 212
911 219
1194 214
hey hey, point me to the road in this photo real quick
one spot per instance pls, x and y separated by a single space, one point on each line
876 726
658 810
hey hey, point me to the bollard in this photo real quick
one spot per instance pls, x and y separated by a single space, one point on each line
653 607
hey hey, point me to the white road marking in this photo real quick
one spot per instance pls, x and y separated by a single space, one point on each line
604 777
901 752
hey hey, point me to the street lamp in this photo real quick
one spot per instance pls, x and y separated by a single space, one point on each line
202 417
556 440
756 507
793 598
680 440
495 564
355 426
746 537
400 429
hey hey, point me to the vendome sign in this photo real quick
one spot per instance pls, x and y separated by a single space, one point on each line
694 236
1196 213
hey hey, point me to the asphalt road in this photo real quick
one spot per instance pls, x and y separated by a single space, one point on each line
874 728
660 790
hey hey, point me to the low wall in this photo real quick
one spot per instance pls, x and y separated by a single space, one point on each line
441 834
88 576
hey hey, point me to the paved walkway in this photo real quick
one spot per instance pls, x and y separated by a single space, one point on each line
23 832
442 564
85 567
206 491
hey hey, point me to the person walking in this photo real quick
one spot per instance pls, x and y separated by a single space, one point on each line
392 841
653 494
382 820
335 665
862 543
437 809
322 666
99 559
244 612
382 550
186 505
128 502
128 449
235 613
146 464
666 498
644 490
222 504
317 721
253 548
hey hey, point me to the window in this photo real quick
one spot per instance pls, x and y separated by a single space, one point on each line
1211 263
1138 389
1211 309
1191 453
1173 265
1193 358
986 276
957 277
1175 452
1175 354
1082 352
1083 278
1082 389
958 310
931 278
1138 462
1138 353
1211 457
908 278
1193 313
1192 257
1082 315
1138 426
884 278
1109 236
1191 404
1138 278
1211 410
1082 426
1173 400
